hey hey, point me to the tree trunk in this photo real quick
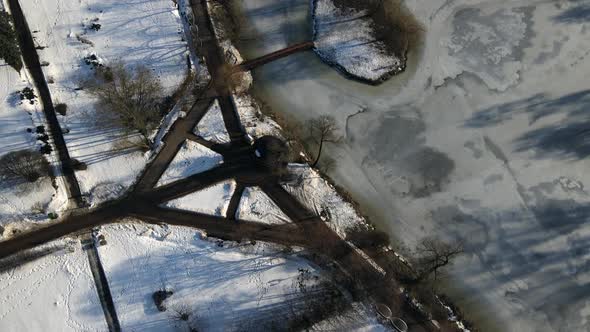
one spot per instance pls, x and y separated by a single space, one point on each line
317 158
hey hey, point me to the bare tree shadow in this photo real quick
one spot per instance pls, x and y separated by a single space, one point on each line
538 258
567 138
580 13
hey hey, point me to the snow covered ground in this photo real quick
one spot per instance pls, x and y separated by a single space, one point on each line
346 39
211 127
360 318
213 200
316 193
254 121
192 158
255 205
55 292
147 32
483 139
225 286
20 202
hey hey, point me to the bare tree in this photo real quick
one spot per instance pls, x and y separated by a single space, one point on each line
127 98
24 164
434 255
322 129
182 312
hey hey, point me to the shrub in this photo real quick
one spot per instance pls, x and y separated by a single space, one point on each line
28 94
367 238
24 164
78 165
160 296
9 50
61 108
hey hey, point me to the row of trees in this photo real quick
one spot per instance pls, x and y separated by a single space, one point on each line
9 50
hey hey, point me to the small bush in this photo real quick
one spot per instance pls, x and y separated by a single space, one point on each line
160 296
78 165
95 26
52 215
9 50
367 238
61 109
24 164
84 40
28 94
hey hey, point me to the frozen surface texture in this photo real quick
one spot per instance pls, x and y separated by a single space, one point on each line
483 139
225 286
346 39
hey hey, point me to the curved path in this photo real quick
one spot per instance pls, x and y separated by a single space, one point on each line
307 229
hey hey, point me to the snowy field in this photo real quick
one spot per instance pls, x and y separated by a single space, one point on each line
483 140
21 202
211 127
226 286
255 205
147 32
192 158
53 293
212 200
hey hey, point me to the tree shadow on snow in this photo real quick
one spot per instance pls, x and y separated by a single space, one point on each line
567 138
580 13
538 258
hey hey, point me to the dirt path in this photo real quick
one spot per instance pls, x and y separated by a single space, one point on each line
31 59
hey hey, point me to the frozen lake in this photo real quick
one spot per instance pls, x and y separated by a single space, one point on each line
484 139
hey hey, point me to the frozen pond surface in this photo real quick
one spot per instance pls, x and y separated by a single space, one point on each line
484 139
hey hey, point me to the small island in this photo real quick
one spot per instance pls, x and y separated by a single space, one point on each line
366 40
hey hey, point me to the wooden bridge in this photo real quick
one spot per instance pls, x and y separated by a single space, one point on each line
251 64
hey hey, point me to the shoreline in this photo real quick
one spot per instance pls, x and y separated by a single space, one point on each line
363 202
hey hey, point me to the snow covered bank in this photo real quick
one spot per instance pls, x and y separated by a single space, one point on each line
55 292
320 196
224 286
346 39
147 32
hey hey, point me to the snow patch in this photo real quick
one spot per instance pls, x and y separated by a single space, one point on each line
192 158
213 200
211 127
255 205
